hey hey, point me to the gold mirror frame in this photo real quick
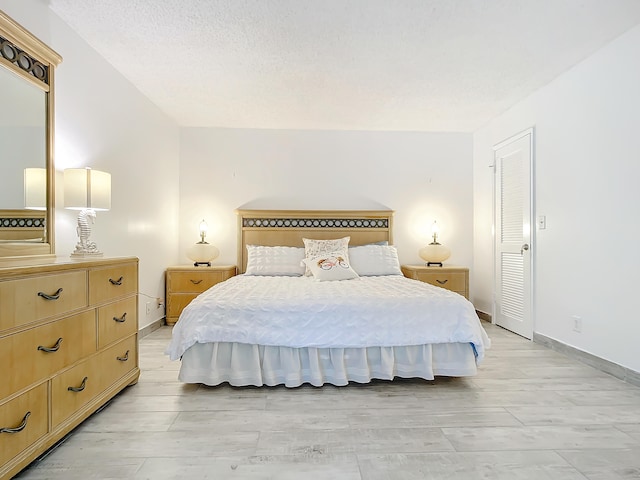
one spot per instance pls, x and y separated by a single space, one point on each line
34 62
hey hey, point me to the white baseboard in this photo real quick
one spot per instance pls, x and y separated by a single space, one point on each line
484 316
144 331
613 369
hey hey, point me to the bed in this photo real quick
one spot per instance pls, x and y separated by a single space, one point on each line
22 226
320 299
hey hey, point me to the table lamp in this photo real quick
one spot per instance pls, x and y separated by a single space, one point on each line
202 252
89 191
35 188
434 253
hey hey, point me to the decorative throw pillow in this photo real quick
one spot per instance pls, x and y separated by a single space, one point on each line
274 261
314 248
330 266
371 260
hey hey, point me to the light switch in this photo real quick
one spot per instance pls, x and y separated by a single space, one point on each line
542 222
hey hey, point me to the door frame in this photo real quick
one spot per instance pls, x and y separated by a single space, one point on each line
533 223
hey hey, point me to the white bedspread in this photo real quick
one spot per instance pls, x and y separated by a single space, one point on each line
302 312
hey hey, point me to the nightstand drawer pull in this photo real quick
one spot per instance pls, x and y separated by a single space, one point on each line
196 282
121 319
442 282
116 282
55 296
19 428
55 348
125 358
82 386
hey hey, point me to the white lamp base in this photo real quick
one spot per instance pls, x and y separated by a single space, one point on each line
202 253
85 247
434 254
77 254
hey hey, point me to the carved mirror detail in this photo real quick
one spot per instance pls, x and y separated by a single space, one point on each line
26 142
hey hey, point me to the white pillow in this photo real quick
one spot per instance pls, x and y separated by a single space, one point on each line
314 248
274 261
370 260
330 266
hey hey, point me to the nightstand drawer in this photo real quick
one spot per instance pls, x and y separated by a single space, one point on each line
177 301
451 278
184 283
194 282
455 282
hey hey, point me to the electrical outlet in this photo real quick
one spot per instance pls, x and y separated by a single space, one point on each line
577 323
148 308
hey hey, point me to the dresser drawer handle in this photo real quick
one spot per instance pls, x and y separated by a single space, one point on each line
55 348
125 358
82 386
442 282
121 319
116 282
19 428
55 296
196 282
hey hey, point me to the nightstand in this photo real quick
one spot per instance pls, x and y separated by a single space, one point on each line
452 278
186 282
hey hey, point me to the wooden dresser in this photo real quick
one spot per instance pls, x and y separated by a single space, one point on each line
452 278
186 282
68 344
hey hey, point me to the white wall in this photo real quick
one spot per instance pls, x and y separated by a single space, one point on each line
422 176
103 122
587 169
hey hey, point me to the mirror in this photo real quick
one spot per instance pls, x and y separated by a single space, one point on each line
26 142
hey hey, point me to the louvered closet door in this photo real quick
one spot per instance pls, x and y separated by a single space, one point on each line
513 162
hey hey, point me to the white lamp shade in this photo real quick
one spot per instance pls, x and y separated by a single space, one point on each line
35 188
87 188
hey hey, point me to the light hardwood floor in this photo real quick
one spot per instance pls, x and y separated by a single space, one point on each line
531 413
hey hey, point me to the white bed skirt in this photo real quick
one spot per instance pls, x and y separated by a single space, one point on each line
242 364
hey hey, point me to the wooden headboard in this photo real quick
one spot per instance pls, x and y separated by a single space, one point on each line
22 225
289 227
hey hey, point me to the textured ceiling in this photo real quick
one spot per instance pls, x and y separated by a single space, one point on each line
434 65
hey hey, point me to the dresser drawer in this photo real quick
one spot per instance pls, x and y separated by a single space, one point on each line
118 360
34 426
194 281
50 344
68 340
73 389
116 321
112 282
35 298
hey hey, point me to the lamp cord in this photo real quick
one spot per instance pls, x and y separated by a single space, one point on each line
157 299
